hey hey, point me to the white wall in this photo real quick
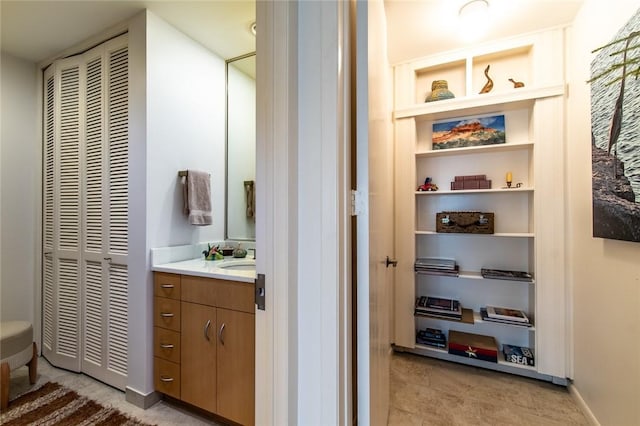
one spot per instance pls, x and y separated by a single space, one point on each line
19 190
604 274
185 130
177 108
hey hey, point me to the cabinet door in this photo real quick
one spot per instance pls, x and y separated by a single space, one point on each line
236 365
198 360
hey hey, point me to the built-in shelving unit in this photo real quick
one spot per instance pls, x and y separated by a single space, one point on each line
528 216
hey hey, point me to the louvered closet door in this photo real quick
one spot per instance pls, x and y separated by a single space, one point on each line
101 321
62 269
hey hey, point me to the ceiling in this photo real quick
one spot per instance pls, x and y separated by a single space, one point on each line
38 30
417 28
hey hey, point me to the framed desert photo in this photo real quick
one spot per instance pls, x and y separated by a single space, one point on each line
615 144
468 131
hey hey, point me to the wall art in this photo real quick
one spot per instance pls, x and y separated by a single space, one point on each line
615 135
470 131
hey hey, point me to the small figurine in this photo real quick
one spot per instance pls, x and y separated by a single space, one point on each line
516 84
212 253
489 84
428 186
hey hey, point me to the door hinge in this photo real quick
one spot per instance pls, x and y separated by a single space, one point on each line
357 203
260 291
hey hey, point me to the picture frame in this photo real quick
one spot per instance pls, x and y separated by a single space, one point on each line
468 132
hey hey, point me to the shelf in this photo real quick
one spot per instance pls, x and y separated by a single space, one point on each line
501 365
473 275
475 191
468 317
502 147
497 234
471 317
477 319
479 104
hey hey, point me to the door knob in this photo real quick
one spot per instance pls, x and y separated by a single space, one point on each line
391 262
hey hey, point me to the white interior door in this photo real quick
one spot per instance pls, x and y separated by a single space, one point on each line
375 230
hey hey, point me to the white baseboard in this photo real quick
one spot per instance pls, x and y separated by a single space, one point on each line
134 397
583 405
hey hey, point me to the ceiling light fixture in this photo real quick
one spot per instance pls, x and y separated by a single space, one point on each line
253 28
474 19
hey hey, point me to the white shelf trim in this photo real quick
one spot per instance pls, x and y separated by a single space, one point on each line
476 191
444 354
497 234
475 149
496 100
474 275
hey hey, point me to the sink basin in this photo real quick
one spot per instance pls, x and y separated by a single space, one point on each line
239 265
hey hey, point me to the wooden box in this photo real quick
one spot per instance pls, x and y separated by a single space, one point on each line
465 222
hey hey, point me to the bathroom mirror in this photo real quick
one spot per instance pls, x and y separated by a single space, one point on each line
240 221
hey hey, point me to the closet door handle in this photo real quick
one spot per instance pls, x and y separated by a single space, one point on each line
166 286
206 330
166 379
166 314
166 346
220 337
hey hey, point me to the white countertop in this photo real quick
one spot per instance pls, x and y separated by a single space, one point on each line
208 269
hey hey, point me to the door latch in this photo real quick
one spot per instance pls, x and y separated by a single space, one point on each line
260 291
391 262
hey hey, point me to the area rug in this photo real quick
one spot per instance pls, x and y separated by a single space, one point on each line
53 404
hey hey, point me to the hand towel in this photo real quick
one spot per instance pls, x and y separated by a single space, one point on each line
197 197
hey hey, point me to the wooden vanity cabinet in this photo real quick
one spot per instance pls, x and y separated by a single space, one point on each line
217 346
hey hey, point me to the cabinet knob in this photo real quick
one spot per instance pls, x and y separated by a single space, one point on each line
166 346
166 314
166 379
166 285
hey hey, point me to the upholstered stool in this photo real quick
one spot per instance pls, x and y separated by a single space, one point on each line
17 348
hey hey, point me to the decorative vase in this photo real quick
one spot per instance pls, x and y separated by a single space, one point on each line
439 91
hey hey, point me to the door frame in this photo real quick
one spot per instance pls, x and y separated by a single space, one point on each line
303 136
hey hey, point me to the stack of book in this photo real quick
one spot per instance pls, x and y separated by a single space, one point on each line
431 337
518 355
501 274
436 266
470 182
505 316
439 307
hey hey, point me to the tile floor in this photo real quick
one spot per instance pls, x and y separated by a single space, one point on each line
424 391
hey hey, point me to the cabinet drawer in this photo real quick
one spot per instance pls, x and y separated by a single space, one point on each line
237 296
166 313
166 285
199 290
166 344
220 293
166 377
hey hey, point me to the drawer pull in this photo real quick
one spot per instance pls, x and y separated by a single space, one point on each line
167 286
166 346
166 379
166 314
206 330
220 336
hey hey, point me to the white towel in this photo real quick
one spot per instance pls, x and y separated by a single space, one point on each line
196 188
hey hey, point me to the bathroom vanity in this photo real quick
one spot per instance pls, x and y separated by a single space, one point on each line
204 336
